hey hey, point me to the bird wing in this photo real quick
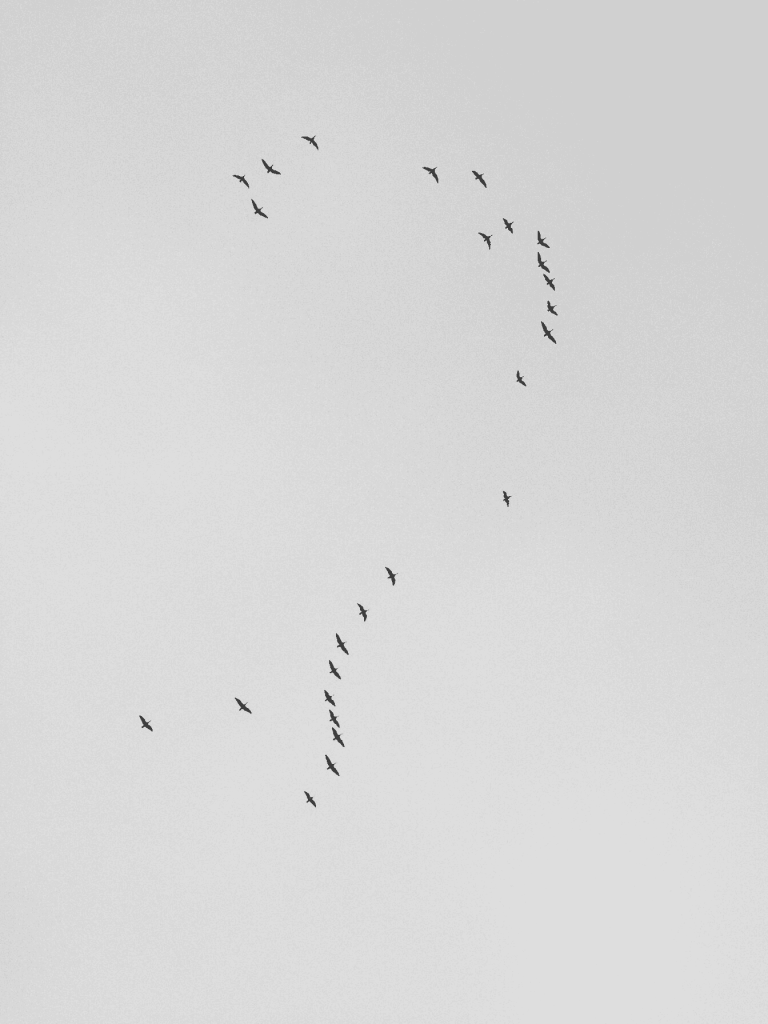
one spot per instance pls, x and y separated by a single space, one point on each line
265 164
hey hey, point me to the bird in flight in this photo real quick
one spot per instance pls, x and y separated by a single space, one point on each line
520 380
334 719
311 140
337 736
551 308
486 238
550 281
363 611
340 644
329 698
270 168
334 670
541 241
548 333
243 707
433 172
480 178
145 723
310 799
508 225
241 178
542 264
391 574
330 765
258 210
506 498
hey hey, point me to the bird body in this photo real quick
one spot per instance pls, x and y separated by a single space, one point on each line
329 698
540 240
508 225
311 140
340 644
391 574
145 723
310 799
547 332
550 282
363 611
433 172
330 765
480 178
337 736
551 308
258 210
269 167
334 670
241 178
520 380
243 707
486 238
506 498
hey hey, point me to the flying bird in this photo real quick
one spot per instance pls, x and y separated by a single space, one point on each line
330 765
548 333
241 178
363 611
506 498
311 140
508 225
391 574
486 238
480 178
270 168
243 707
334 719
329 698
145 723
433 172
334 670
551 308
542 264
340 644
550 281
310 799
337 736
520 380
541 241
258 210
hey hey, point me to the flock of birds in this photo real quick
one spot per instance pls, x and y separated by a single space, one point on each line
552 309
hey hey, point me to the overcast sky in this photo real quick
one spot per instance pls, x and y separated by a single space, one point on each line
217 430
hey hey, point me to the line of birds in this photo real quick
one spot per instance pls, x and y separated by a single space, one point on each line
258 210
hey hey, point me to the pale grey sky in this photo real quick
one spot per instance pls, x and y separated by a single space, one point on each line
216 432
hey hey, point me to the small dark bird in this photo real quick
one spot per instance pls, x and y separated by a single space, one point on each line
329 698
145 723
311 140
270 168
241 178
486 238
542 264
363 611
547 332
330 765
334 719
258 210
391 574
243 707
541 241
550 281
520 380
337 736
340 644
433 172
334 670
310 799
506 498
508 225
480 178
551 308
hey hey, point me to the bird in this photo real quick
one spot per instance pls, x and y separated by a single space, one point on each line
550 281
243 707
334 670
486 238
520 380
330 765
310 799
551 308
506 498
334 719
363 611
329 698
258 210
340 644
311 140
541 241
508 225
480 178
433 172
391 574
542 264
270 168
337 736
548 333
241 178
145 723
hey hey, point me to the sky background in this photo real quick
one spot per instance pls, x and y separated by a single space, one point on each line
217 430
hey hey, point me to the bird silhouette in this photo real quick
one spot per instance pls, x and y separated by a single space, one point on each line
337 736
433 172
391 574
340 644
270 168
334 719
520 380
334 670
311 140
542 264
550 281
486 238
310 799
363 612
480 178
547 332
258 210
330 765
241 178
329 698
551 308
243 707
508 225
506 498
145 723
540 240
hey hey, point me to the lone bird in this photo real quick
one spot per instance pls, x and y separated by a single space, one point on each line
391 574
551 308
550 281
363 611
542 264
329 698
520 380
506 498
310 799
340 644
145 723
241 178
258 210
334 670
548 333
480 178
486 238
337 736
334 719
270 168
311 140
243 707
433 172
508 225
330 765
540 240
